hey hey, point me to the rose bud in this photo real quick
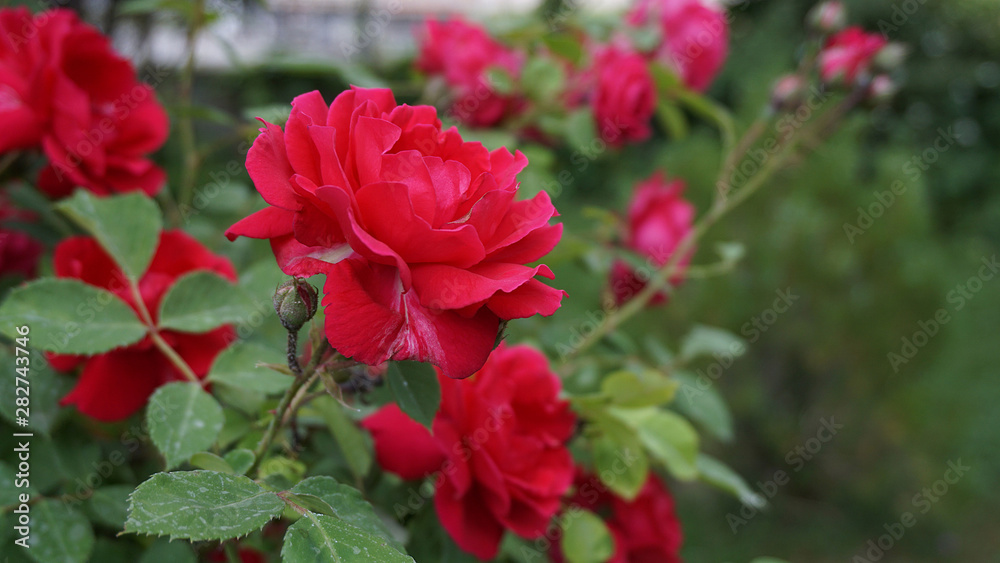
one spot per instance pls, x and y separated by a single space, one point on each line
827 17
295 301
787 93
882 89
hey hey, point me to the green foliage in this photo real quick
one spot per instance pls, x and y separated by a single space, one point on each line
70 317
126 226
668 438
349 506
416 389
320 538
586 539
202 301
183 420
59 533
201 505
237 366
46 388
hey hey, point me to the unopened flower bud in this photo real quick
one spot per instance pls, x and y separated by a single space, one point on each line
890 57
827 17
787 93
295 301
882 89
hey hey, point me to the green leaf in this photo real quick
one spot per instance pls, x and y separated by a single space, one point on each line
634 390
619 459
325 539
416 388
706 340
349 505
350 438
240 460
580 130
109 505
201 301
543 78
183 419
704 405
669 438
672 119
70 317
500 80
59 533
201 505
586 539
237 366
126 226
211 462
46 389
718 474
564 45
312 503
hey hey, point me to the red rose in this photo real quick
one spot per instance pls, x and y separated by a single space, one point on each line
64 90
464 54
115 384
658 220
624 98
19 252
848 55
645 530
246 554
498 449
417 231
694 37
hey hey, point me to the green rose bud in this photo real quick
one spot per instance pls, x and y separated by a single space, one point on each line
295 301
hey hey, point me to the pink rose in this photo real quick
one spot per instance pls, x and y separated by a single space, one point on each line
658 220
848 55
624 96
694 37
464 54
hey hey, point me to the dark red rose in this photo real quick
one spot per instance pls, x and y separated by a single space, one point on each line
247 555
498 450
417 231
645 530
693 37
624 96
848 55
116 384
464 54
19 252
658 220
64 90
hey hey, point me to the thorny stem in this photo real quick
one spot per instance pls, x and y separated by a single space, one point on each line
293 353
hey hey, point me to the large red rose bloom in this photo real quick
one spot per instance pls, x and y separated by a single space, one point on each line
694 37
116 384
498 450
463 54
64 90
417 231
658 220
